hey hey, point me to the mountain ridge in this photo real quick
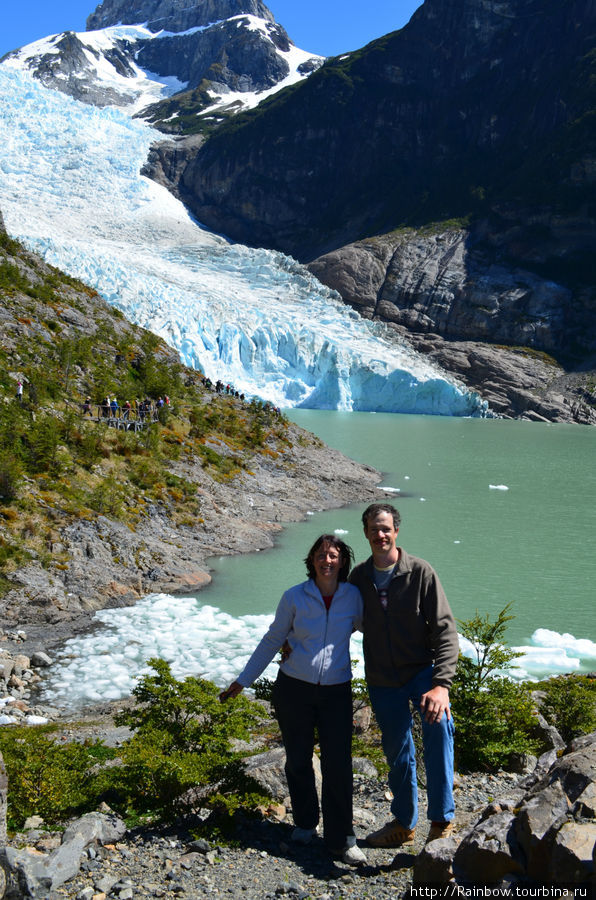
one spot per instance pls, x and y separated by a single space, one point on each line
478 113
216 56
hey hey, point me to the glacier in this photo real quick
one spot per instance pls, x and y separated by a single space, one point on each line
71 190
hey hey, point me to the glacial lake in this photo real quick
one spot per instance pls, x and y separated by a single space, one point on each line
504 510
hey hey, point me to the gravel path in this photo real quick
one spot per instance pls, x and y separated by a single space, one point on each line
263 863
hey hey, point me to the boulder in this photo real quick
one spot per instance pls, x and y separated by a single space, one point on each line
25 873
433 865
571 861
489 852
536 824
39 659
107 828
268 770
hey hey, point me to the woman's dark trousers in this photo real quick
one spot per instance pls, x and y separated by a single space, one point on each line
301 708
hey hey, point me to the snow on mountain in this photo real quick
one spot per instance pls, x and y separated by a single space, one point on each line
98 75
133 66
71 190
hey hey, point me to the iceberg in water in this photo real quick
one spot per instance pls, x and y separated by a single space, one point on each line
72 191
200 639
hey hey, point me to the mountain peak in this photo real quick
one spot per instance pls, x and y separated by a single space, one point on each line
173 15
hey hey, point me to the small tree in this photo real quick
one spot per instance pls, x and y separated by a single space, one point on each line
494 717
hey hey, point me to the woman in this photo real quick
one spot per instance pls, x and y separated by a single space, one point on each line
313 690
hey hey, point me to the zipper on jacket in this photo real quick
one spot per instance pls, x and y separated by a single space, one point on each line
324 643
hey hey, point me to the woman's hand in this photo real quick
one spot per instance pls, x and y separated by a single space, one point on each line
234 689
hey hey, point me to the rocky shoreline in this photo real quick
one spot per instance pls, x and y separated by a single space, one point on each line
111 565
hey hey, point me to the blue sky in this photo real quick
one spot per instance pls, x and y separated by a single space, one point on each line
327 27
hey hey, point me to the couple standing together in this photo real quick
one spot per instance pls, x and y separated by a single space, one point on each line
410 654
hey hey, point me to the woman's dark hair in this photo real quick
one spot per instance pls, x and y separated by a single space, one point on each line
346 553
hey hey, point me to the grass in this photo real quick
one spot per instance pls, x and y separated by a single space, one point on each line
55 466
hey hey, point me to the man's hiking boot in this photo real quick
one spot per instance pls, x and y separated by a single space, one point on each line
391 835
439 830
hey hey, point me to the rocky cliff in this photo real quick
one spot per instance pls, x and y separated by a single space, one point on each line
472 104
470 131
499 327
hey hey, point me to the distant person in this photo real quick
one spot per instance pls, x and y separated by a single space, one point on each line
87 407
114 407
313 690
126 408
20 391
410 654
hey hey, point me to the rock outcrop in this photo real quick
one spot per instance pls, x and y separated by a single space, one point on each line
452 297
547 836
451 126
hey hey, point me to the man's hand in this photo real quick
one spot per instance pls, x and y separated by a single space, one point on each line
434 703
234 689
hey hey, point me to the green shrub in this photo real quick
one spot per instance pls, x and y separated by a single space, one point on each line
108 498
44 439
46 778
10 477
182 740
494 716
570 704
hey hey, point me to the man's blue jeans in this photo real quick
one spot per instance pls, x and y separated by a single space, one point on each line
391 707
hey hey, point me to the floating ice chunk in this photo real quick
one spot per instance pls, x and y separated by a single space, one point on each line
340 531
389 490
542 659
36 720
582 647
406 477
498 487
423 499
457 542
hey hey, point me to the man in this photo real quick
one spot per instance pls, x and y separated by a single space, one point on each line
410 653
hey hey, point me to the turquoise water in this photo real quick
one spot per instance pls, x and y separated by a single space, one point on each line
528 540
531 545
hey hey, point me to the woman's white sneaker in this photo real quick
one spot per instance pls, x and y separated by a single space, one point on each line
352 855
303 835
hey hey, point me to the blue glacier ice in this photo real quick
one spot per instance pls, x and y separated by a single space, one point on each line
71 190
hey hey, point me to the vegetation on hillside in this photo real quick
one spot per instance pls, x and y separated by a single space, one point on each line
56 465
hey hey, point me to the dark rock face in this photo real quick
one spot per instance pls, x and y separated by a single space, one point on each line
229 54
172 15
477 111
472 102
